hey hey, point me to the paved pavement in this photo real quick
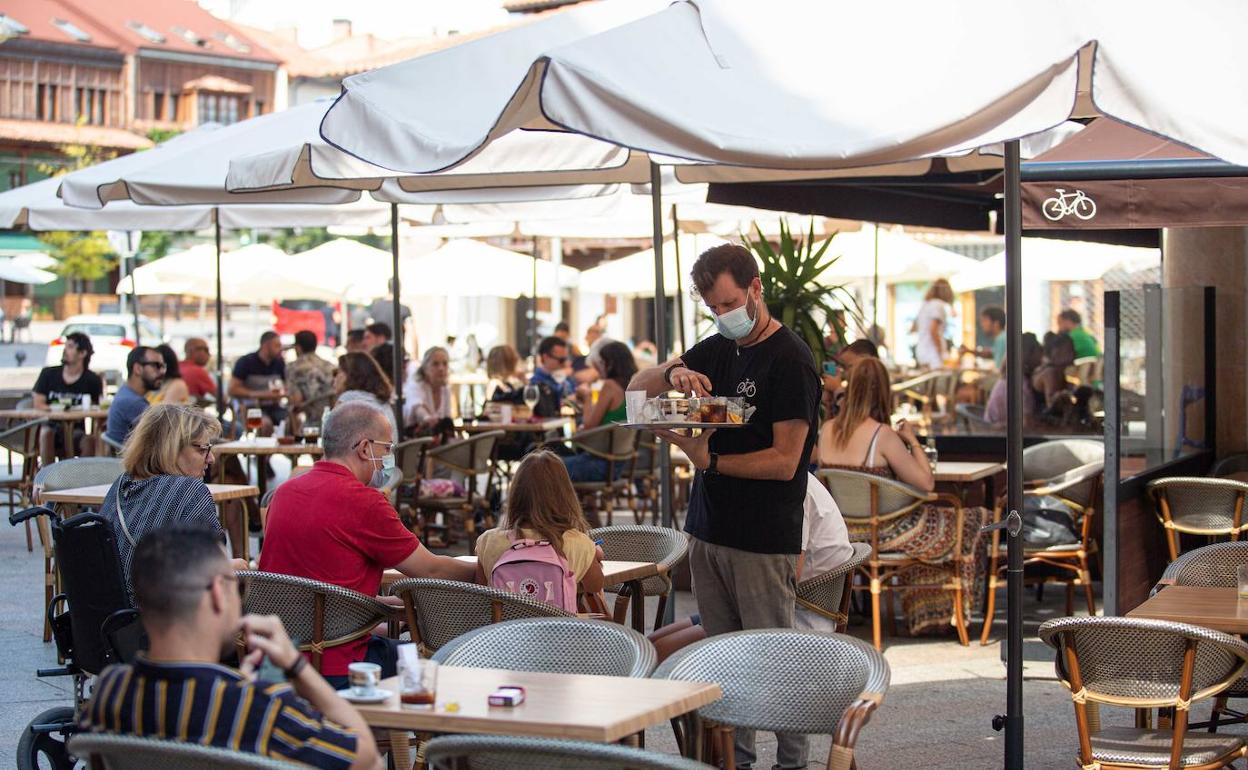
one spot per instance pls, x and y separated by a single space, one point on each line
937 714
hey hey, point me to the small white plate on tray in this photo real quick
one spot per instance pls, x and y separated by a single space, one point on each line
377 696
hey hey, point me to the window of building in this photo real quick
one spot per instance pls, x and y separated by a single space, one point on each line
175 102
233 41
71 29
189 36
146 32
11 27
219 108
158 106
46 106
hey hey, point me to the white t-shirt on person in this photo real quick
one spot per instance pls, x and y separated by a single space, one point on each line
926 352
825 546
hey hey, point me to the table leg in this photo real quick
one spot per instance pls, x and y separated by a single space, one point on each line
401 748
637 606
67 429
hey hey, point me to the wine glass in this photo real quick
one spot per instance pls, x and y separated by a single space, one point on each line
255 419
531 396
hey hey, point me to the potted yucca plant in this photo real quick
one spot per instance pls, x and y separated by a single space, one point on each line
789 276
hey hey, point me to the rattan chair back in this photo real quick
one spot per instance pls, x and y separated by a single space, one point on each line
409 457
828 594
497 752
664 546
77 472
1210 566
469 456
862 497
783 680
1140 663
1200 505
125 752
316 615
557 645
609 442
441 610
1062 458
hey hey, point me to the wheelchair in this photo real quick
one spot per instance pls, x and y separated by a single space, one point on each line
93 625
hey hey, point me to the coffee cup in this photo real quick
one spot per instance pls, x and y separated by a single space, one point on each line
364 678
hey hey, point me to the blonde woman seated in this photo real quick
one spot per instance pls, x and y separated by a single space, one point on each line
859 438
162 485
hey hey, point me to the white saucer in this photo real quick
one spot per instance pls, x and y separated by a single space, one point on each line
378 696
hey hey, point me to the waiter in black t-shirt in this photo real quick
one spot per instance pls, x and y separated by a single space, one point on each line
67 384
745 510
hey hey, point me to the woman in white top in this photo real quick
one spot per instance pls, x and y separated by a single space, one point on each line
427 393
930 325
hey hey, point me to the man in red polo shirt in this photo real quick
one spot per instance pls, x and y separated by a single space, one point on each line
329 525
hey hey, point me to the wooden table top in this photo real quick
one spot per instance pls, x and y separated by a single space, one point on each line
95 413
544 426
94 495
966 472
603 709
248 447
1218 608
613 571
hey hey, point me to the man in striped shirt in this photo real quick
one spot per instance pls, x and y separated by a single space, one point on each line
187 595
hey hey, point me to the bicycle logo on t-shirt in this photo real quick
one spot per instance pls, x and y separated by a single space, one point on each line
746 388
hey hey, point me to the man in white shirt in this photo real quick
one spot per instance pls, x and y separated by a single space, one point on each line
825 546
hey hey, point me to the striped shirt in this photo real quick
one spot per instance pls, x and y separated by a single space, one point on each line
155 503
214 705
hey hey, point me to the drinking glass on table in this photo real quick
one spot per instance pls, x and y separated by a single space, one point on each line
1241 574
255 419
531 396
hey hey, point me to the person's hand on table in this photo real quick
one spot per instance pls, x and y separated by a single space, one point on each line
687 380
696 448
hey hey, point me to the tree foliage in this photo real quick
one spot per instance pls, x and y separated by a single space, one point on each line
299 239
84 256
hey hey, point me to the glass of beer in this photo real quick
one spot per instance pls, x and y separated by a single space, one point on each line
255 418
418 678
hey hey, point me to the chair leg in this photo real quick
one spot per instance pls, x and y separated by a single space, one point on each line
989 609
1085 575
875 610
48 579
959 618
1070 597
1219 703
660 611
30 543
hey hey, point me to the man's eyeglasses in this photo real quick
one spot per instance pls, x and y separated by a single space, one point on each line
389 445
158 364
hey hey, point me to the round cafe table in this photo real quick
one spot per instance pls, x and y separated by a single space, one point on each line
66 418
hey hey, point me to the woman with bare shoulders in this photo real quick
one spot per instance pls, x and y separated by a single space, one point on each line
860 439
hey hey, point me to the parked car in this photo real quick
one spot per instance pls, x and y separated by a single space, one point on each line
112 337
317 316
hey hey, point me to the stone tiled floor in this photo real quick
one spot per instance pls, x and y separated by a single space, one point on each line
937 714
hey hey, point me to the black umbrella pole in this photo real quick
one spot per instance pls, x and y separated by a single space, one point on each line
397 318
216 229
1014 459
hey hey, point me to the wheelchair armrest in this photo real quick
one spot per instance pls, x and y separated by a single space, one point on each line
17 517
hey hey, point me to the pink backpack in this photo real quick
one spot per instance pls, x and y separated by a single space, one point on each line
533 568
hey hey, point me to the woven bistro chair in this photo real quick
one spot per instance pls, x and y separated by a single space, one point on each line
1212 566
65 474
498 752
1071 470
21 440
556 645
1145 664
125 752
1197 505
663 546
643 490
828 594
787 681
869 501
440 610
617 445
471 457
113 446
317 615
409 457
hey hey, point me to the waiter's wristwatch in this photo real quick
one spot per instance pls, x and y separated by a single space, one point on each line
713 465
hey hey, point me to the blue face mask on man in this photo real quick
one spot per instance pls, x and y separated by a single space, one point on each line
379 474
737 324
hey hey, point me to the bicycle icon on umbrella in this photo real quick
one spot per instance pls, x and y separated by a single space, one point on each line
1063 204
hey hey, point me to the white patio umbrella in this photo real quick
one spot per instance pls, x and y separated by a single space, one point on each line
900 259
634 274
1054 260
18 271
675 81
257 273
362 272
468 268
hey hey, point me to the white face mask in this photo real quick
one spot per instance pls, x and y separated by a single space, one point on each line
737 324
379 474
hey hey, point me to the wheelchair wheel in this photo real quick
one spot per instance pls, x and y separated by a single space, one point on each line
46 751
